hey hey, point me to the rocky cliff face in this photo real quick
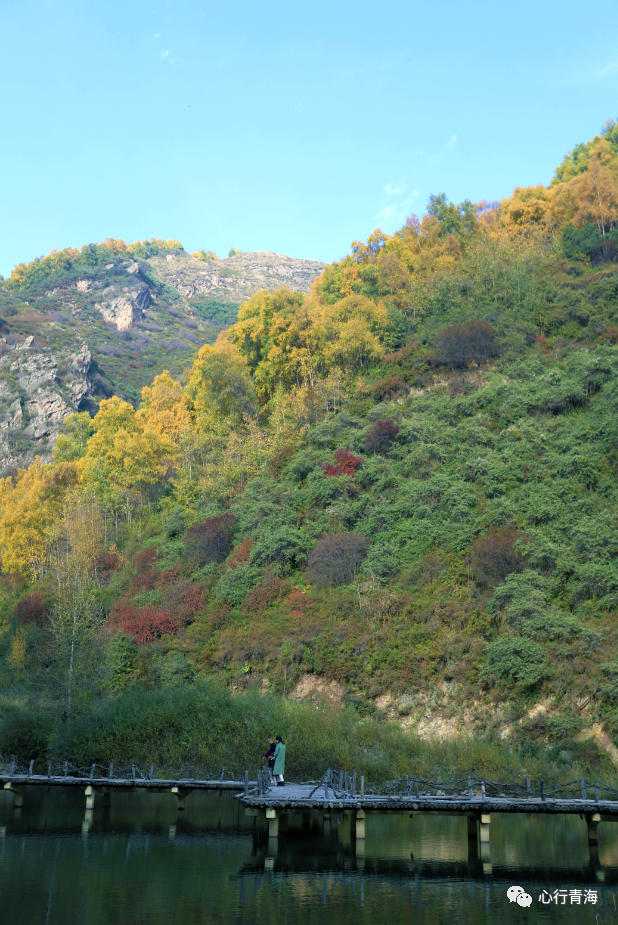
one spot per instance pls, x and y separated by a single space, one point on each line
67 346
236 278
39 389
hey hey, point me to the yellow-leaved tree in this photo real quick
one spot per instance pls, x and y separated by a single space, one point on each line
125 450
30 503
165 408
219 386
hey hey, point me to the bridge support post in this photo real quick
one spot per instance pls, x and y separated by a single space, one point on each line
484 828
472 828
19 797
276 820
592 822
182 793
91 797
360 824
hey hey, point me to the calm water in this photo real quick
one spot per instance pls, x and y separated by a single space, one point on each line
142 863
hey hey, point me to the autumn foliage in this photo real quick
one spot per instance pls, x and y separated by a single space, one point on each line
143 624
346 463
211 540
336 559
33 608
381 436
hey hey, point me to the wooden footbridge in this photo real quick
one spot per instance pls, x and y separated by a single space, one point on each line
337 795
98 783
341 793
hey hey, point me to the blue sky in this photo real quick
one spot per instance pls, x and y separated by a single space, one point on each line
283 127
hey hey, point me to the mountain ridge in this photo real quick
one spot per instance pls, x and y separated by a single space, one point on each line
121 317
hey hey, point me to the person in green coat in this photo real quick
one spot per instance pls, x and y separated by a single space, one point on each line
279 768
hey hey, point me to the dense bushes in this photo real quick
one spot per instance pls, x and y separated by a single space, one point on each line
336 559
211 540
346 463
461 344
206 726
33 608
494 555
380 437
515 659
23 736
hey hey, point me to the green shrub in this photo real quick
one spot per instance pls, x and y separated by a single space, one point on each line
515 659
235 584
23 737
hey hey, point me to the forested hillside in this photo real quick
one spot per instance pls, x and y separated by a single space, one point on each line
399 490
82 324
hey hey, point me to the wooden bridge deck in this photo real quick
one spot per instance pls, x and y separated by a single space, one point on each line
306 797
10 781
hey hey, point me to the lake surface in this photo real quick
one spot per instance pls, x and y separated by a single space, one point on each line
140 862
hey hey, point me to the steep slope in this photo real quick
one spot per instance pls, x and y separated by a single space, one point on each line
85 332
400 490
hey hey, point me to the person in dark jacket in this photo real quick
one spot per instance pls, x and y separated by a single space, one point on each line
279 767
270 754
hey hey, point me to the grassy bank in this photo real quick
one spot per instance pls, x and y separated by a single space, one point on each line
207 726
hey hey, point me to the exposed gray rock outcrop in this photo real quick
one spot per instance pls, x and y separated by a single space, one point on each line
38 391
126 310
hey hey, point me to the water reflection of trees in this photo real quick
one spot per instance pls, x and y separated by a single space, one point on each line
157 867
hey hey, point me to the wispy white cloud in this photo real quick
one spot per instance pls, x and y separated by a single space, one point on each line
167 56
157 36
393 190
451 143
393 215
586 75
609 70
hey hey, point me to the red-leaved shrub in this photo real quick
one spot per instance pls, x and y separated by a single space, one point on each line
32 609
381 436
220 615
345 464
146 571
298 602
263 596
144 624
211 540
242 553
183 598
